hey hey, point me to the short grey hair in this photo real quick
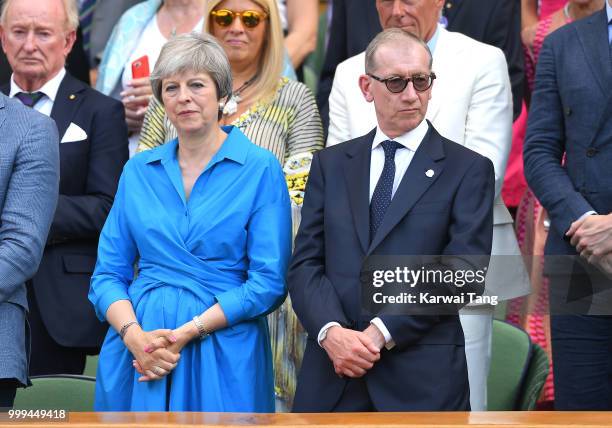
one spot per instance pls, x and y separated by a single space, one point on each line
388 36
70 8
197 52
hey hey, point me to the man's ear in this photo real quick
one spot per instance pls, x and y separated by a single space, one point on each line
2 34
69 42
365 82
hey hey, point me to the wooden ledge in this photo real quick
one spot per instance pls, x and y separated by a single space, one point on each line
325 420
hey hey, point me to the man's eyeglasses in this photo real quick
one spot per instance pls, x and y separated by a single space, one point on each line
250 18
396 84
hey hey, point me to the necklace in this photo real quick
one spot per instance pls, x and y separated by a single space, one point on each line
231 106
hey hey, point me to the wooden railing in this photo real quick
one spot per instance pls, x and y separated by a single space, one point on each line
327 420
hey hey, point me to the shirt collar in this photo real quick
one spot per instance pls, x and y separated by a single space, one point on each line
410 140
49 89
234 148
609 10
431 44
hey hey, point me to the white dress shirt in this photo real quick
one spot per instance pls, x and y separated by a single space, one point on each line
49 89
411 142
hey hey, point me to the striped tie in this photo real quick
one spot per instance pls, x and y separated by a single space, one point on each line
29 98
86 10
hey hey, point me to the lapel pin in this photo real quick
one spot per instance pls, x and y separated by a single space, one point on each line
429 173
72 97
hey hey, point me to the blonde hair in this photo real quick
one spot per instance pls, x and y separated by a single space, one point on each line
273 49
70 8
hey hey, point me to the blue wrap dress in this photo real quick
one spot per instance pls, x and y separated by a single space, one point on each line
229 243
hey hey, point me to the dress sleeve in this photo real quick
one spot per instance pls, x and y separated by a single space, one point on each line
153 132
268 249
305 131
305 138
117 253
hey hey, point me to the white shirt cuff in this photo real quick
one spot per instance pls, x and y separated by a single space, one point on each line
389 342
324 329
586 214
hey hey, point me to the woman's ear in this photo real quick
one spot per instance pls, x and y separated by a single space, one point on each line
222 102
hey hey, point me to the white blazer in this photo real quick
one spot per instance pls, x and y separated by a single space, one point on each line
471 104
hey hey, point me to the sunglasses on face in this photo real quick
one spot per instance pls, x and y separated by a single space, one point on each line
249 18
396 84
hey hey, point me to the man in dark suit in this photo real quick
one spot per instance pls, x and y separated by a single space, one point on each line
405 190
571 117
494 22
93 149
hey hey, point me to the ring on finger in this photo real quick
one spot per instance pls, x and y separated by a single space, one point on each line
158 371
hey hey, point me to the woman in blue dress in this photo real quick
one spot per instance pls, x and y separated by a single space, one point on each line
206 218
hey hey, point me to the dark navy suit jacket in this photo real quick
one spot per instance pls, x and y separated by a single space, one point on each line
447 213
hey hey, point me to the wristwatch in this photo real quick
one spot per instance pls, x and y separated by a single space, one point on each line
201 329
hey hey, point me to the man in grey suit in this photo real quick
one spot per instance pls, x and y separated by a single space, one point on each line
29 179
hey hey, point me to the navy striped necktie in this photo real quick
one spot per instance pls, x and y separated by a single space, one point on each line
381 198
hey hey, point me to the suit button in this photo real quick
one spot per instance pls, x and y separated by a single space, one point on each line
568 111
591 151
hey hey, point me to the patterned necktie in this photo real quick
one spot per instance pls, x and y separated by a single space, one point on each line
381 198
86 10
29 98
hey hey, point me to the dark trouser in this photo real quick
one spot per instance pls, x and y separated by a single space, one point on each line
355 398
8 388
48 357
582 357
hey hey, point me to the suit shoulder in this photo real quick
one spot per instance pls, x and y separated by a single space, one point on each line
568 31
21 118
346 147
466 155
99 100
460 42
352 65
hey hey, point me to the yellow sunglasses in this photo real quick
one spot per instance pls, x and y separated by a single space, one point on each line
249 18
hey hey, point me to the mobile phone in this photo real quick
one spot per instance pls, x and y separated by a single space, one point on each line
140 67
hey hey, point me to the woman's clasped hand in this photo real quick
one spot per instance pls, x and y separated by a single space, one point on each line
156 353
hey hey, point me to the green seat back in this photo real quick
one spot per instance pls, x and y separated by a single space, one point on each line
535 379
511 353
70 393
91 366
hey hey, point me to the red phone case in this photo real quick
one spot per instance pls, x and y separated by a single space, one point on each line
140 67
